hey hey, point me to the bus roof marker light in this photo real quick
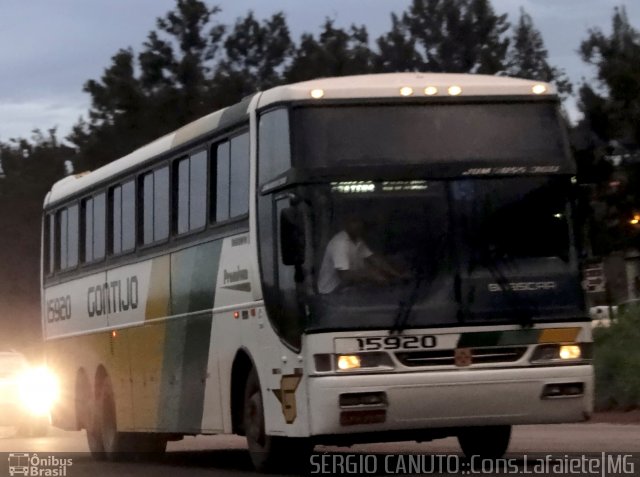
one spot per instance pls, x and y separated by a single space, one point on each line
431 90
317 93
539 89
455 90
406 91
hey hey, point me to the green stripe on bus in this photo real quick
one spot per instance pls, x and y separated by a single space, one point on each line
498 338
193 282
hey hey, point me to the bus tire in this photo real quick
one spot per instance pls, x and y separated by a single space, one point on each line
490 442
270 453
93 429
114 443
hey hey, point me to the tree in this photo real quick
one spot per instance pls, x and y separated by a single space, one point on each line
336 52
31 166
611 107
397 48
528 58
133 103
459 36
617 62
256 52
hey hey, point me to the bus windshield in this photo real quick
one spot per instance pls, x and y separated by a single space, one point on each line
383 247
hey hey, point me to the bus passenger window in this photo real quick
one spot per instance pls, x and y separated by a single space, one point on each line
239 193
198 190
68 237
87 206
191 197
221 180
99 232
182 197
123 218
94 217
115 204
51 234
161 204
72 237
155 206
128 216
230 198
62 235
147 208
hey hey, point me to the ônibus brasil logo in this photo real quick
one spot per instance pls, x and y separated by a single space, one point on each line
34 466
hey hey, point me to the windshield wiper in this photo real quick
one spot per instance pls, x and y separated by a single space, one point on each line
405 307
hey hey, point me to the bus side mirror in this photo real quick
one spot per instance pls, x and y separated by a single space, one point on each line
292 236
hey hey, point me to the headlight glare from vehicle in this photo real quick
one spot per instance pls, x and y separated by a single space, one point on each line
38 390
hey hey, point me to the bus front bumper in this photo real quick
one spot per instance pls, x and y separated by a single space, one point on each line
445 399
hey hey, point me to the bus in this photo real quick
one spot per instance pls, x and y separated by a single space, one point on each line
183 288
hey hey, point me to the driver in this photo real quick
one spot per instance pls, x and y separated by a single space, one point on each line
349 261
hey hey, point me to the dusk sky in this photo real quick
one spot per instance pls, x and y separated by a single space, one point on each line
50 48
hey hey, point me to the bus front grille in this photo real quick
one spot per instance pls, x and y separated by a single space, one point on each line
506 354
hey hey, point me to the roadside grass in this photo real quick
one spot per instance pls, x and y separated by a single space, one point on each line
617 363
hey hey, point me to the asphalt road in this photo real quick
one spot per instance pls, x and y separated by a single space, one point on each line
226 455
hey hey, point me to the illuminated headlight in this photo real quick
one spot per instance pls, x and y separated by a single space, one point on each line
356 362
556 353
38 390
349 361
568 352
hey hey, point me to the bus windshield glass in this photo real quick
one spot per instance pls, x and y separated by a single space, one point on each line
402 251
512 219
500 134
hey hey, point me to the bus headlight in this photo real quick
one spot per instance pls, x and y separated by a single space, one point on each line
363 362
556 353
38 390
570 352
349 361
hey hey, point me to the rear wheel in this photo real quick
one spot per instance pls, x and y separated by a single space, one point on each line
270 453
106 442
489 442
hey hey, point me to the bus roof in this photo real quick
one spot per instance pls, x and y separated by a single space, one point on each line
387 85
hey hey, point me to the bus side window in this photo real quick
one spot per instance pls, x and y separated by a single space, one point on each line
67 225
94 230
230 178
122 201
155 206
50 244
190 176
220 177
239 177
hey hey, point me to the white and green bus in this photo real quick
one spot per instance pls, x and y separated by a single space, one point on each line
181 282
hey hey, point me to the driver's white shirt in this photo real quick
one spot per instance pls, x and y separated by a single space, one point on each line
342 253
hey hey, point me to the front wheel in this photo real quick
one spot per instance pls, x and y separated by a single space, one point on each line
489 442
270 453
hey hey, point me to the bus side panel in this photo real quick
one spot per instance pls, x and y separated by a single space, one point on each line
185 354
